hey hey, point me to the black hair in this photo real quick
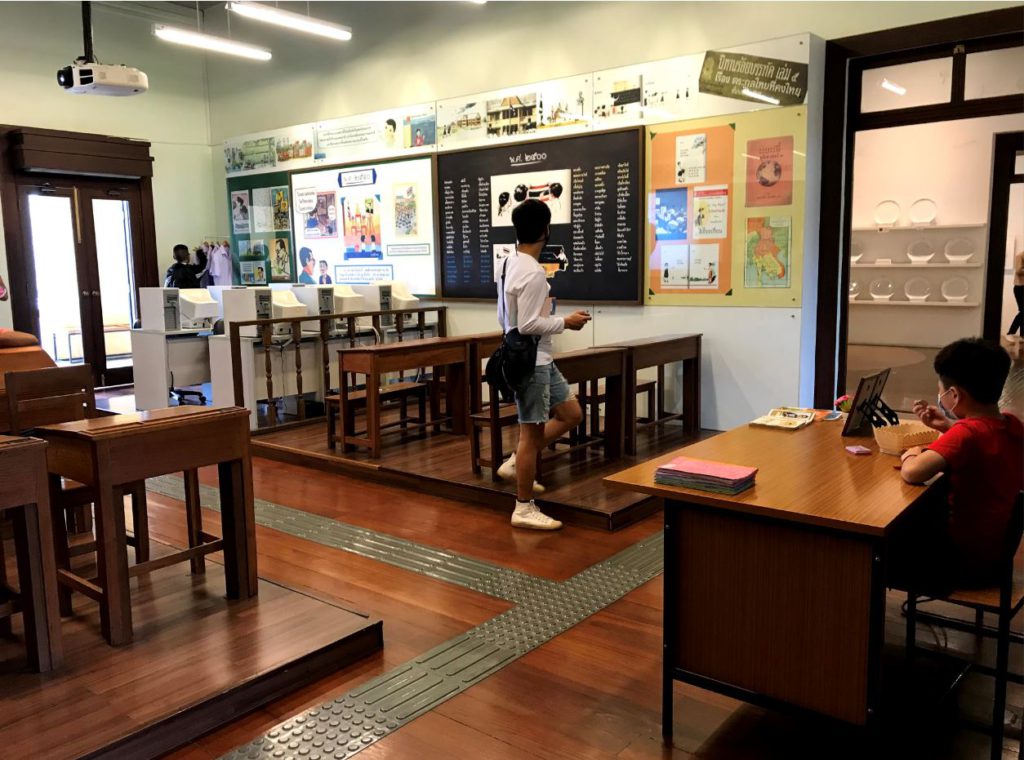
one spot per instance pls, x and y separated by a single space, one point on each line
974 365
181 247
305 255
392 123
323 263
531 218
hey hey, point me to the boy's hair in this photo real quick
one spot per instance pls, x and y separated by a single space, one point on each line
977 366
181 247
531 218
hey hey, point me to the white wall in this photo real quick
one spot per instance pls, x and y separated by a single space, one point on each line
38 38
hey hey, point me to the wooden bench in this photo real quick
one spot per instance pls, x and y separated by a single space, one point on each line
401 392
591 397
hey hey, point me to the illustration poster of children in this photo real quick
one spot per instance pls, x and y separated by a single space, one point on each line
362 226
406 221
322 221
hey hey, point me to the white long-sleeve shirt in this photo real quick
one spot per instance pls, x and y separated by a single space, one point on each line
526 299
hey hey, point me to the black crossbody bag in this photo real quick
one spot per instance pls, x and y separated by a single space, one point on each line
515 359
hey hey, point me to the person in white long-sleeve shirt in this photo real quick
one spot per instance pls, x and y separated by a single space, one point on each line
546 406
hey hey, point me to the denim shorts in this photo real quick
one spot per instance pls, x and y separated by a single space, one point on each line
537 396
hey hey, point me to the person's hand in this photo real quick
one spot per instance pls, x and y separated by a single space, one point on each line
577 320
931 415
913 451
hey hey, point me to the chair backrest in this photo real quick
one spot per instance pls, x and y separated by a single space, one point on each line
48 396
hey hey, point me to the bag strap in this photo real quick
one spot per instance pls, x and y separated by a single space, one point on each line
504 304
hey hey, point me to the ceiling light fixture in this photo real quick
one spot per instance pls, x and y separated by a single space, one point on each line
760 96
294 21
893 87
210 43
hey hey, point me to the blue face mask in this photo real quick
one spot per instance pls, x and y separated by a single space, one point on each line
945 411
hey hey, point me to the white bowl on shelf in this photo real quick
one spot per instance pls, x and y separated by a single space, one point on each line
920 252
923 211
854 290
856 251
917 289
956 289
958 250
882 289
887 213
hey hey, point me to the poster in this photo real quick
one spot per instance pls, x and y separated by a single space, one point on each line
280 261
770 171
281 208
618 96
240 212
509 190
262 152
670 89
711 211
252 272
382 227
768 255
262 211
244 248
691 158
670 214
379 134
742 76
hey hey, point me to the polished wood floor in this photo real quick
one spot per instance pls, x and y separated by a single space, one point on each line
592 692
191 644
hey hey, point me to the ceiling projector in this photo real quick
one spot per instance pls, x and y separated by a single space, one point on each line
85 78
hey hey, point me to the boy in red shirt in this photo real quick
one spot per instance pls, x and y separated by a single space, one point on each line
981 452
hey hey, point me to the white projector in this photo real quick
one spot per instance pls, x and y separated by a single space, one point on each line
83 78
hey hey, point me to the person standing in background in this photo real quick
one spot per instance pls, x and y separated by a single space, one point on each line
1016 331
183 274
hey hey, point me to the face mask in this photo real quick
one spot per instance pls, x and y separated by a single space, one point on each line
945 411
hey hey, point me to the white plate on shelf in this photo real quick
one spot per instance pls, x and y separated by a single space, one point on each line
920 252
923 211
958 250
887 213
955 289
917 289
882 289
856 251
854 290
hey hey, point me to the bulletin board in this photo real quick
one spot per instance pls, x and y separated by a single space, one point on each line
725 210
259 215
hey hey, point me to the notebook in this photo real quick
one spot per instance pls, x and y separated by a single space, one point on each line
704 475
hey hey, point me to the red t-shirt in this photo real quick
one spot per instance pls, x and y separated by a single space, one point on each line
985 465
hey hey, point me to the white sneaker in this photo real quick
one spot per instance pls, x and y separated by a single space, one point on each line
507 471
526 515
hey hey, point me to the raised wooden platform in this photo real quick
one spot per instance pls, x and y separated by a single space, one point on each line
439 464
198 662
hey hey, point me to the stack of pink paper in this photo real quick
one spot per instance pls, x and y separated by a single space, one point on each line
717 477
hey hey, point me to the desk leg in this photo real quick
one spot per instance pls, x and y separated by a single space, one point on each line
670 584
660 392
615 402
112 558
37 576
345 415
373 411
691 395
630 404
238 524
61 551
457 397
194 518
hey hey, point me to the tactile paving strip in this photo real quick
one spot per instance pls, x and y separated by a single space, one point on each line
362 717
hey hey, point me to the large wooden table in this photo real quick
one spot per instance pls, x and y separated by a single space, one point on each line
658 352
776 596
107 452
24 494
452 354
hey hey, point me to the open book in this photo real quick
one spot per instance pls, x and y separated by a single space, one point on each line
787 417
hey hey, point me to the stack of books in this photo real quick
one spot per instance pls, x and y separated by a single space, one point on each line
717 477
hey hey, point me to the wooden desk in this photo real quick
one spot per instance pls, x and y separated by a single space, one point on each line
594 364
25 494
481 346
374 361
106 452
776 596
18 360
657 352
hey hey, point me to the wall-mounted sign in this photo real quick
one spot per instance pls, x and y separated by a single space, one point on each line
753 78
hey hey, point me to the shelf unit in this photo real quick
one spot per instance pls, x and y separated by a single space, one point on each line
948 265
918 227
920 304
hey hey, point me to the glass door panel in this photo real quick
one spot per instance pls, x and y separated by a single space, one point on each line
116 277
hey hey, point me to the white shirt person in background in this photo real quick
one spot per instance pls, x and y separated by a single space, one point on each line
546 406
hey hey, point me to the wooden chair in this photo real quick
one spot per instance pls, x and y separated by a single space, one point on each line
591 399
401 392
495 417
65 394
1004 601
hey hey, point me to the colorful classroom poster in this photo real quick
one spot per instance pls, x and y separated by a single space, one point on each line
282 209
691 158
768 252
240 212
770 172
711 212
280 261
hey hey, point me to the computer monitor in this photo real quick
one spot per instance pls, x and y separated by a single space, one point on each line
284 304
868 410
198 309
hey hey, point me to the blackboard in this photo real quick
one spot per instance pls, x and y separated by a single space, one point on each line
592 184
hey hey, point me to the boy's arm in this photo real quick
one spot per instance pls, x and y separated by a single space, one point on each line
921 465
531 301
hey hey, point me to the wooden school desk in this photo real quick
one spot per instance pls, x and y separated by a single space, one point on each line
608 364
110 451
776 596
24 494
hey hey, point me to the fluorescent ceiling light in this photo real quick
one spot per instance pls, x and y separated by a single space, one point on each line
210 43
893 87
289 20
477 2
760 96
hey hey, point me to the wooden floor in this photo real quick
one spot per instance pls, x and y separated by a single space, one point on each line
593 692
441 463
197 660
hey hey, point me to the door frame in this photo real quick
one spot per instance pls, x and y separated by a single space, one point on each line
845 61
1007 146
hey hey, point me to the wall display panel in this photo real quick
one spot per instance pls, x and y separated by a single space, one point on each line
364 223
261 233
592 184
725 210
382 134
288 148
542 109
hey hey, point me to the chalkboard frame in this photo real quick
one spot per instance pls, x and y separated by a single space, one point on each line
642 225
435 238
